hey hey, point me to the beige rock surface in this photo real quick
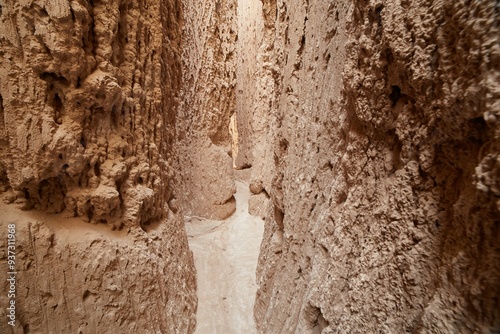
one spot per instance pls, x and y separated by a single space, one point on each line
75 277
88 105
372 128
207 103
87 108
255 117
385 189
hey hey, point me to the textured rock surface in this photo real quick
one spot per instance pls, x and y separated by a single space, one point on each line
255 117
207 103
74 277
372 128
385 191
87 108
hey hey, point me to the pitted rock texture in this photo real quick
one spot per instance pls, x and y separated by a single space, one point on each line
88 106
385 193
88 101
74 277
255 117
207 104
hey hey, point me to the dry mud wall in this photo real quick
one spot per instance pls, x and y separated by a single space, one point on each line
88 102
385 192
207 104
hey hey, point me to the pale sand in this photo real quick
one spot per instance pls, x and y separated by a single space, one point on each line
226 254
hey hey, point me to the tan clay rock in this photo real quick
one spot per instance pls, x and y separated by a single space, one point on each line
372 126
87 125
207 103
259 205
386 171
76 277
84 105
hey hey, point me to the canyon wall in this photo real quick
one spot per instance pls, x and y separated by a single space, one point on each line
88 102
207 104
255 118
385 191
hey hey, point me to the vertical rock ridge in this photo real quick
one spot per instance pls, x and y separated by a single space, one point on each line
100 102
207 103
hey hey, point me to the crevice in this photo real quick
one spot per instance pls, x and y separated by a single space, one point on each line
279 217
395 95
2 116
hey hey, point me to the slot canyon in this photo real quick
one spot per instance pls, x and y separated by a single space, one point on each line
249 166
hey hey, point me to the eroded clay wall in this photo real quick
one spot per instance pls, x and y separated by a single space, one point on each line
88 105
207 103
87 99
256 117
385 191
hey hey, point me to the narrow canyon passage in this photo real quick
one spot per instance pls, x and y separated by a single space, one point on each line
367 132
226 254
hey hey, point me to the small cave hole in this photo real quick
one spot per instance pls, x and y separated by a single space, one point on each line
2 116
480 127
90 213
283 145
140 180
389 56
97 170
395 95
377 17
83 142
86 295
51 77
315 319
342 197
478 122
58 106
43 12
150 225
279 217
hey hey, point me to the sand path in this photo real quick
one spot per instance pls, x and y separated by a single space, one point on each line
225 254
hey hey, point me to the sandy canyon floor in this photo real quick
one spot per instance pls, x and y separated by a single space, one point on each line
226 254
